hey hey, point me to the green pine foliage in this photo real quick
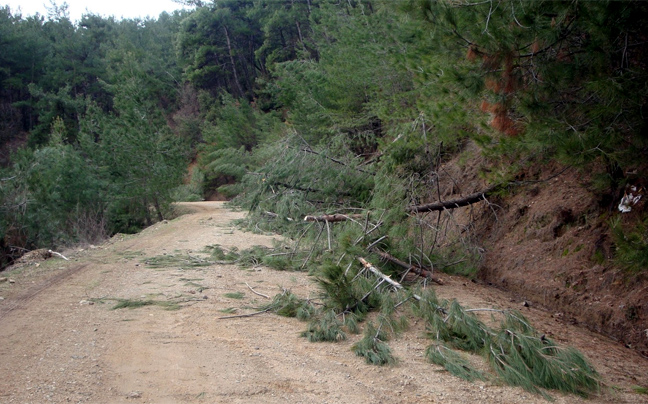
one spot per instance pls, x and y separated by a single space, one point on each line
631 242
515 351
325 328
373 348
288 304
453 362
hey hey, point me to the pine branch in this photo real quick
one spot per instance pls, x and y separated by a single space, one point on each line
379 274
337 217
309 150
419 271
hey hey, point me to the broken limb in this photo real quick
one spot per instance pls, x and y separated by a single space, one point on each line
332 218
57 254
417 270
379 274
255 292
245 315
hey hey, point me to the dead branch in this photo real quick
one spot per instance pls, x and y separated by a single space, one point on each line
332 218
245 315
274 215
386 278
417 270
453 203
255 292
57 254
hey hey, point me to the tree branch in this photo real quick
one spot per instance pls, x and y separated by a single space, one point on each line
337 217
417 270
453 203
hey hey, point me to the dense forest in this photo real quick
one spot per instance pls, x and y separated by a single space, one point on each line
344 110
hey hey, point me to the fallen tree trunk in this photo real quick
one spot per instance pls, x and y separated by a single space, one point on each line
333 218
417 270
453 203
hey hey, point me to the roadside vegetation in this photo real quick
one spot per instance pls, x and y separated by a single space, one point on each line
330 121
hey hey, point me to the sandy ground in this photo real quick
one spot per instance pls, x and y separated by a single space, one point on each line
61 342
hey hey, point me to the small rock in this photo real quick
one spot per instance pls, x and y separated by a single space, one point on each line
2 298
12 281
84 302
526 304
134 394
205 297
3 280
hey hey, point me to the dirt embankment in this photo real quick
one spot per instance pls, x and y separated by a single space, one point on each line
62 342
548 242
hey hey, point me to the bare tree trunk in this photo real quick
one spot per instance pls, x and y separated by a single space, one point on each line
231 55
156 204
453 203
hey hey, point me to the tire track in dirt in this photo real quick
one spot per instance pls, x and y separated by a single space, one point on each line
26 296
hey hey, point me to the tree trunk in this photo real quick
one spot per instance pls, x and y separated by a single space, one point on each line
453 203
231 55
156 204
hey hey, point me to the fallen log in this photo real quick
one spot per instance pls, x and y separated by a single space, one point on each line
453 203
337 217
417 270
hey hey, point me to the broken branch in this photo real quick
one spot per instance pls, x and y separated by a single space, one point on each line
245 315
257 293
57 254
417 270
332 218
386 278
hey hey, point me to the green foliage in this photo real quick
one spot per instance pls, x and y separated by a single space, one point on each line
373 347
250 257
515 351
235 295
631 242
177 260
142 159
135 304
192 191
325 328
288 304
453 362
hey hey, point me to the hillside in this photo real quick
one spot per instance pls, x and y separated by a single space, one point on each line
540 243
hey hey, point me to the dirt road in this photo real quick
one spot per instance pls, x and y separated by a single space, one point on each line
61 342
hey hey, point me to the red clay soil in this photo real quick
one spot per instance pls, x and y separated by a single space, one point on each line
540 241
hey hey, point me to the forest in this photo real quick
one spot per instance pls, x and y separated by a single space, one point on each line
341 111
